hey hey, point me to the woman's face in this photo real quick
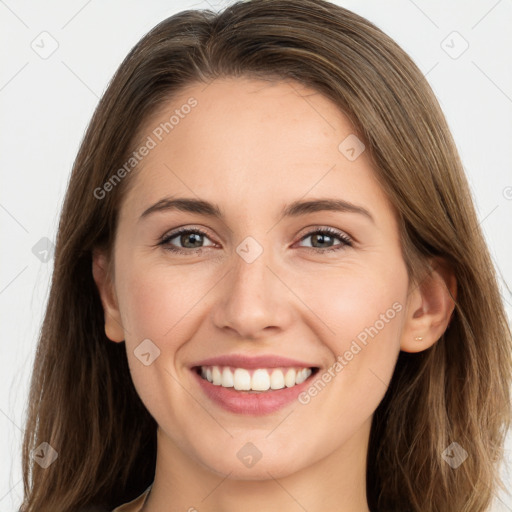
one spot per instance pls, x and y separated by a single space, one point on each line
264 281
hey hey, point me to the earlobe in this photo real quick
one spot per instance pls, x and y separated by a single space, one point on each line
113 325
429 308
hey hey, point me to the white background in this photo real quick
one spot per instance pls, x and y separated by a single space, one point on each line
47 103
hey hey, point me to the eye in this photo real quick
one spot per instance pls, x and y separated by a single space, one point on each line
325 237
190 240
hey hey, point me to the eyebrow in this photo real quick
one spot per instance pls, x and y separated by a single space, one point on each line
294 209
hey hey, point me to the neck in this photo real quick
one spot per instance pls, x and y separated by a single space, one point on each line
336 482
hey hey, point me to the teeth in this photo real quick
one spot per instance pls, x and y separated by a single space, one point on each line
242 380
227 378
261 379
277 380
301 376
289 378
216 376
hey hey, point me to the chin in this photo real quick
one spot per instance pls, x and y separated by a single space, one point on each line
277 466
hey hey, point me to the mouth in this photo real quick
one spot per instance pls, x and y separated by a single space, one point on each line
255 380
253 385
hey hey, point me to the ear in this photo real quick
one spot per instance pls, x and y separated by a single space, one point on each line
113 325
430 305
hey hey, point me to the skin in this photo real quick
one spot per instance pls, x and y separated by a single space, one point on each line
253 147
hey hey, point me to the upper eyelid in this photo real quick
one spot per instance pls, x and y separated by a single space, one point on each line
335 231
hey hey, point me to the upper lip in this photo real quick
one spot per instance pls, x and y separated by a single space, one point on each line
253 362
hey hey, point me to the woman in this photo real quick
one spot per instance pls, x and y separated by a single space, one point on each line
259 367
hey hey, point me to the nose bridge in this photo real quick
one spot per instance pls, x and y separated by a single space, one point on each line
250 268
253 298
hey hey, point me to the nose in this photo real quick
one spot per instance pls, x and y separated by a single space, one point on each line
254 299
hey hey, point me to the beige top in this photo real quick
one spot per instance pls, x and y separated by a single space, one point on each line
134 505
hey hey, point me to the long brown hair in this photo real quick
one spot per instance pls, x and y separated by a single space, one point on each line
82 399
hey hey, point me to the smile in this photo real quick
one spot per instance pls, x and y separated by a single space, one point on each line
253 384
257 380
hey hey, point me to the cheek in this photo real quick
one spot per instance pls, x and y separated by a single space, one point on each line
354 302
154 299
157 304
362 314
367 320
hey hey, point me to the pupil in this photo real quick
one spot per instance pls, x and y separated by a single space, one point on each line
189 237
321 238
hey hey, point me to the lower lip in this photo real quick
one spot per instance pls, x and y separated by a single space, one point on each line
256 404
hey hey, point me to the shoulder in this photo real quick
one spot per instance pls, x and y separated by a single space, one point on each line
134 505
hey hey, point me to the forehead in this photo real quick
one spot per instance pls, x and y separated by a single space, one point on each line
243 142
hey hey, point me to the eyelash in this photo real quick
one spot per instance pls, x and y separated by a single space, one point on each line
346 241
